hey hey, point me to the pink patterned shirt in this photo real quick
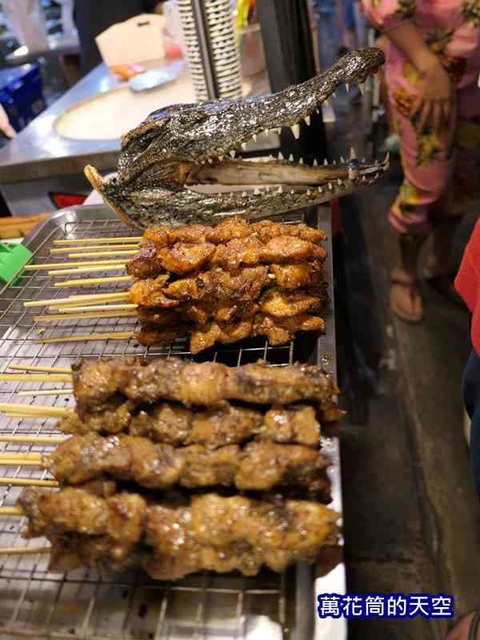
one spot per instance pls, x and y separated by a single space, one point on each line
451 29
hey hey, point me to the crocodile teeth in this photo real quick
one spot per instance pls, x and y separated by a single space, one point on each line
325 161
300 161
330 186
292 192
244 193
347 87
266 133
307 120
244 146
291 158
280 156
296 131
339 182
351 174
256 192
342 159
353 154
254 137
210 161
232 154
220 158
309 193
361 86
280 189
315 163
334 162
364 179
320 190
203 161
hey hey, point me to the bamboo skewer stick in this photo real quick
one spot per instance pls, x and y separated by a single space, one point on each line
11 511
109 240
85 282
104 254
98 247
26 455
97 307
119 335
94 297
68 272
54 317
38 367
18 462
45 392
34 409
83 263
27 482
33 439
20 551
35 377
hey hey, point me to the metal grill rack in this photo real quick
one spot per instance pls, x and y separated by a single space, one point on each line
82 604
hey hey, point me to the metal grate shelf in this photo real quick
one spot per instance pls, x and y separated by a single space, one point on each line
82 604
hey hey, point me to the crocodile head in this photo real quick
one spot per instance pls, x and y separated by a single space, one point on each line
180 166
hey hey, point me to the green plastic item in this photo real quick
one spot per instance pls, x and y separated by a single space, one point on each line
12 259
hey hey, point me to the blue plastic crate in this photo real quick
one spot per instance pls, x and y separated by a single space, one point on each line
21 94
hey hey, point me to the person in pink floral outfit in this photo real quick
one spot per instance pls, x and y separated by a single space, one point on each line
432 69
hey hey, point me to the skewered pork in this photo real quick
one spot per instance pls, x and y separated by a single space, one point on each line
212 427
98 383
172 539
258 466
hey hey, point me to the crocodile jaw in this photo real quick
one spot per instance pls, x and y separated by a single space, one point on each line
169 159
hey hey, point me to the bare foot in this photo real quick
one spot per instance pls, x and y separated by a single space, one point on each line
405 299
462 630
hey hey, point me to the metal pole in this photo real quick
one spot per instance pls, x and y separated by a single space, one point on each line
287 40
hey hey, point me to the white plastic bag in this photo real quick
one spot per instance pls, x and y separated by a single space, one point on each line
27 21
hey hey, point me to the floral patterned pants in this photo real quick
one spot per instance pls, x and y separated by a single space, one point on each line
440 174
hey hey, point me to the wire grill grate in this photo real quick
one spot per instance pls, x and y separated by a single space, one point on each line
83 604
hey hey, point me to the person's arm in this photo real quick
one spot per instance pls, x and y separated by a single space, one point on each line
435 90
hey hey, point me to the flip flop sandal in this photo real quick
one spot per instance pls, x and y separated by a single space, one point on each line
412 287
474 627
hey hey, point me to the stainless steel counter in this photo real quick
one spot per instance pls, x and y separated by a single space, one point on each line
38 152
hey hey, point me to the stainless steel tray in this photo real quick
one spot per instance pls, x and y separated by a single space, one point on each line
82 604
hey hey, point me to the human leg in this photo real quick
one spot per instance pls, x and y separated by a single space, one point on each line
464 180
426 164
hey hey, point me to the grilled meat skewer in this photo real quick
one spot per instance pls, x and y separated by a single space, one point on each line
258 466
98 383
171 540
229 245
211 427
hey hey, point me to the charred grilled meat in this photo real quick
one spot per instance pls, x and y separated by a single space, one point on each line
173 539
230 282
182 258
212 427
258 466
102 384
